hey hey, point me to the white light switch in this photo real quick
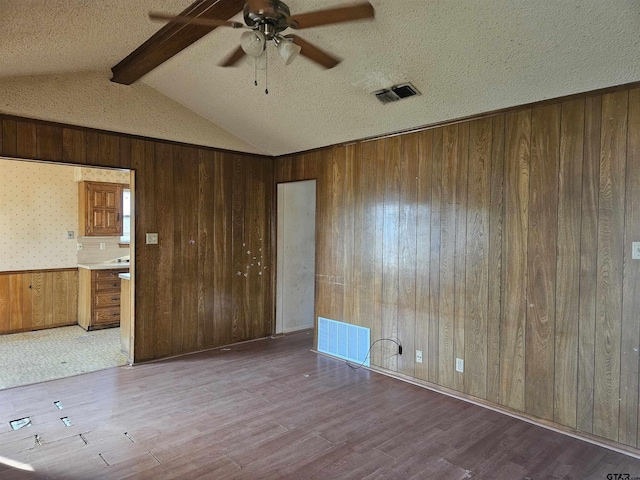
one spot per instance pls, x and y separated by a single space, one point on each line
103 246
152 238
635 250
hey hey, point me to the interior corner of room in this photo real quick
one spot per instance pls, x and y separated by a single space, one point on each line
61 226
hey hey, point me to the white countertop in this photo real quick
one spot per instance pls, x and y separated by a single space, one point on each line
104 266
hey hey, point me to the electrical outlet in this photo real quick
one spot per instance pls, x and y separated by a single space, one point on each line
418 356
103 246
459 365
635 250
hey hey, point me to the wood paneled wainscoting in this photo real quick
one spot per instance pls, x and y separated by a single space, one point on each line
199 287
37 299
504 241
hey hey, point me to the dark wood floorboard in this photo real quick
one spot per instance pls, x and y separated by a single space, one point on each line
273 409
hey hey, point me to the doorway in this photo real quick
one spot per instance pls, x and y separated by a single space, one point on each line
42 249
296 253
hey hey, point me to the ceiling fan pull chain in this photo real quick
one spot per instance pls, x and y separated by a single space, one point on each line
255 73
266 72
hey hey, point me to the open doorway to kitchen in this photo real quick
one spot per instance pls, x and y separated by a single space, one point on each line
65 261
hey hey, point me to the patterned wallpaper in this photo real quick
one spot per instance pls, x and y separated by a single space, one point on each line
101 175
38 205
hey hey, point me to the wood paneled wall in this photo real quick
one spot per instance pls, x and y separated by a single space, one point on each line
504 241
33 300
201 286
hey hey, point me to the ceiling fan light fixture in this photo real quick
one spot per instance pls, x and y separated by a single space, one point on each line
253 43
288 50
259 62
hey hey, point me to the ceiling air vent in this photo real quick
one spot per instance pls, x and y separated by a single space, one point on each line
397 92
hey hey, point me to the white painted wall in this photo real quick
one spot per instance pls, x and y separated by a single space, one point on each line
296 247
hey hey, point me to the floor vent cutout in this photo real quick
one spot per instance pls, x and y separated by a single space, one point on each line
20 423
343 340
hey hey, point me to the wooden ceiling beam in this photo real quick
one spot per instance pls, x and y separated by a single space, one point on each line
171 39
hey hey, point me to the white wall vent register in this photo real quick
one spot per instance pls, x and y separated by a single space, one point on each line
343 340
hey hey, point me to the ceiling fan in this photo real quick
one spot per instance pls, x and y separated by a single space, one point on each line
266 19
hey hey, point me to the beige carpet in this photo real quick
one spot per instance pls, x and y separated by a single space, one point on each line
33 357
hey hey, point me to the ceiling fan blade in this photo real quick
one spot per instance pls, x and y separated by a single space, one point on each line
233 58
314 53
349 13
205 22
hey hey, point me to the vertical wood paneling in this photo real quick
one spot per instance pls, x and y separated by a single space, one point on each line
339 232
27 140
446 327
423 257
378 330
370 243
5 304
20 309
9 138
206 238
588 263
239 248
223 244
628 420
92 153
390 252
146 256
255 219
461 186
362 313
323 236
108 150
350 260
514 293
49 143
59 298
541 258
166 327
266 204
610 251
74 145
407 251
435 247
185 251
568 263
38 289
477 257
495 272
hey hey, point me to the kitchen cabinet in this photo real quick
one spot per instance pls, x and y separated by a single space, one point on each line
100 208
99 298
38 299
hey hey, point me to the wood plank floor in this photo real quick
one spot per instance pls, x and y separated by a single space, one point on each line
273 409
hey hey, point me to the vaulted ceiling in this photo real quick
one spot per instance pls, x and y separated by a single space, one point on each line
465 57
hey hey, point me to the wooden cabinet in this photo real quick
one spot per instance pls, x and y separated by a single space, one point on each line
100 208
37 299
99 298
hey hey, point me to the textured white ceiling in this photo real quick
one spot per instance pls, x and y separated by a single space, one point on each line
466 57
